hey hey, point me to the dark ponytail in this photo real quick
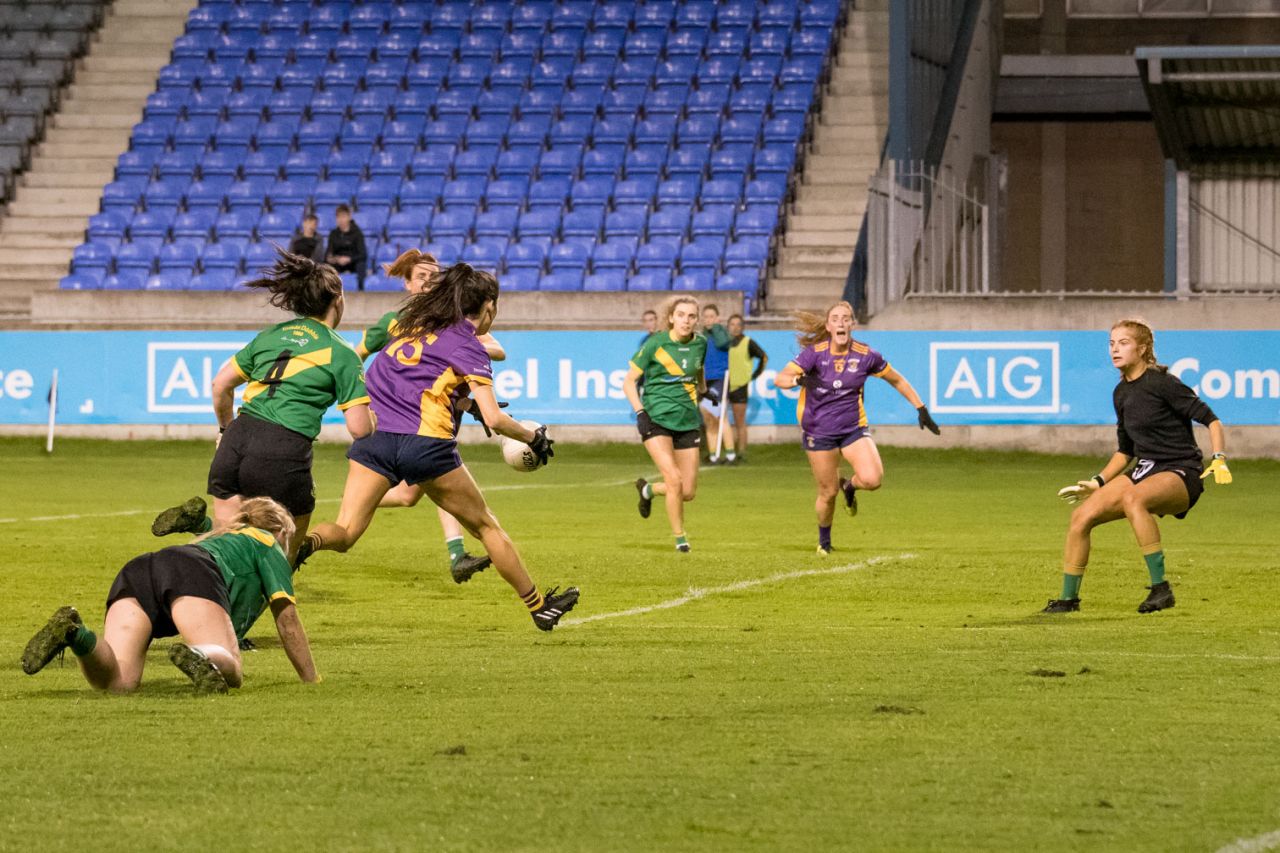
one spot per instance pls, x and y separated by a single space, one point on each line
300 284
455 293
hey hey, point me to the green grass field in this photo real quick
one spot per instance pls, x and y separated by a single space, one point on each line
916 703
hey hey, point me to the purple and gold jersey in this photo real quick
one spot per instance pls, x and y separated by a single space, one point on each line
414 382
832 406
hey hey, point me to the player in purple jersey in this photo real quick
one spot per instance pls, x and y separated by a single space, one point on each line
832 369
415 386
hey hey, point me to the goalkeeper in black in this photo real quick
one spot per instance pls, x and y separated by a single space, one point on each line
1154 411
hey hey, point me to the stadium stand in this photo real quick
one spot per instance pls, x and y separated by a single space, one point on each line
565 145
39 43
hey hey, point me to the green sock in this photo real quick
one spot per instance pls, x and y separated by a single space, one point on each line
83 641
456 549
681 540
647 491
205 526
1155 566
1071 586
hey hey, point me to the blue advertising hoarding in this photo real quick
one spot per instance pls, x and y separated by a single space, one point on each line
576 377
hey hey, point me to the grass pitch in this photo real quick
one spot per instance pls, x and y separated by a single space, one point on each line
915 703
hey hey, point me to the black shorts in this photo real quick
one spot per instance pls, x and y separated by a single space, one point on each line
258 458
156 579
740 395
411 458
680 439
1190 475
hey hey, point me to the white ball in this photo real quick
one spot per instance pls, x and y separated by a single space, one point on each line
519 455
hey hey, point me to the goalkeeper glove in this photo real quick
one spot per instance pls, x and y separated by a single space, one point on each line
1081 490
540 444
712 394
1218 468
474 411
644 423
926 420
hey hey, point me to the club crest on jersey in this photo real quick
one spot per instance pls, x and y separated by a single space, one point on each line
837 384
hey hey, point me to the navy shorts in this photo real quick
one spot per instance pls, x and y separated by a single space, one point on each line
411 458
156 579
1190 475
838 442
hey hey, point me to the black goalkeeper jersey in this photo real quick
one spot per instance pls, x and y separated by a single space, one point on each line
1153 418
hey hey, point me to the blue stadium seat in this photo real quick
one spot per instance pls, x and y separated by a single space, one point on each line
91 256
236 131
541 101
672 220
334 191
718 69
614 130
769 189
195 224
446 128
223 255
650 281
561 280
625 222
178 256
383 284
607 281
436 161
122 196
731 160
637 190
810 42
454 222
695 279
507 191
583 221
126 279
563 162
528 254
248 194
107 226
761 69
422 189
259 256
377 192
212 280
448 250
592 190
785 128
748 252
464 191
135 256
776 159
517 280
761 220
800 69
486 131
615 253
408 225
568 256
485 255
713 221
278 227
603 42
702 253
748 281
656 255
697 130
88 280
165 191
150 225
604 161
167 280
391 163
235 224
550 192
678 190
597 70
722 191
539 223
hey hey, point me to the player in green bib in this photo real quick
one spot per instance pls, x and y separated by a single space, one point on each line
207 591
292 373
667 416
417 268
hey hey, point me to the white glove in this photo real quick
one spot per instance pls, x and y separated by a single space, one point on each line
1078 492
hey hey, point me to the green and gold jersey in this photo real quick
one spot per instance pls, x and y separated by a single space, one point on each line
671 371
255 570
379 334
296 370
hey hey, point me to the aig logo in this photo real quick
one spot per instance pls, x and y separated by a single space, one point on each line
180 375
994 378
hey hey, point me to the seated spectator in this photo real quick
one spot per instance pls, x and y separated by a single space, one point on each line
346 250
307 242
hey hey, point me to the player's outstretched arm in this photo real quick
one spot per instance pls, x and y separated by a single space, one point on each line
294 639
497 420
905 388
492 347
788 377
1084 488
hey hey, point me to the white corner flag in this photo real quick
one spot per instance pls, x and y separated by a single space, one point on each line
53 411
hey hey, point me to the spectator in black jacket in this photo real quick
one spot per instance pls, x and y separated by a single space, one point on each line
307 242
346 250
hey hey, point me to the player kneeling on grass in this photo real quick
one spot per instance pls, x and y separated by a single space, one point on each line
831 370
205 592
1154 411
416 385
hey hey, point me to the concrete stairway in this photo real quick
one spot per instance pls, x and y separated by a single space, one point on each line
47 218
823 221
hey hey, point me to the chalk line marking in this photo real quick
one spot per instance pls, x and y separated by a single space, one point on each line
504 488
696 593
1258 844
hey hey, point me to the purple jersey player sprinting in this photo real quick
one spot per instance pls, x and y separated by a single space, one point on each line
416 385
831 370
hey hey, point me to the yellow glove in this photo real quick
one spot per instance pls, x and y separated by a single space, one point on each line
1218 468
1080 491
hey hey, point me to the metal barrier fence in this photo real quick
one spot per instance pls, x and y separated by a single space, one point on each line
925 236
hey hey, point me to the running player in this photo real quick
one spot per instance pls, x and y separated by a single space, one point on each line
417 268
742 352
415 384
671 364
1154 411
832 369
296 370
208 591
715 369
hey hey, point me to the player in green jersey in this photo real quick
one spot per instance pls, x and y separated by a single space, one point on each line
417 268
295 371
204 591
671 364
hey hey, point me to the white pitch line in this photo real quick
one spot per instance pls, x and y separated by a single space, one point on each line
695 593
125 512
1258 844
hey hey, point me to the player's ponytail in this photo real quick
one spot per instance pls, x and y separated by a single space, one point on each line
812 328
299 284
262 513
1145 339
402 267
455 293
